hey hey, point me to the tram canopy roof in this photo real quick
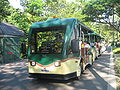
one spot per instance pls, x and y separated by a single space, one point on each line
58 21
9 30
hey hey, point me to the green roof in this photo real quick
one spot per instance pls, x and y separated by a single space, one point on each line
59 22
53 22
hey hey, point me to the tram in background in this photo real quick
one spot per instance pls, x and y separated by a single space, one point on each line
58 49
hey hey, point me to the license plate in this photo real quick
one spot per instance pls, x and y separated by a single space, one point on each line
44 70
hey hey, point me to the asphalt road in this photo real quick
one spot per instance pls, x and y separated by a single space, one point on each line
14 76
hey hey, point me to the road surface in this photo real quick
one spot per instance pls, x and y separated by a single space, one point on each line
14 76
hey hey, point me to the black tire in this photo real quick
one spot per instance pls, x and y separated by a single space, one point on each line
81 64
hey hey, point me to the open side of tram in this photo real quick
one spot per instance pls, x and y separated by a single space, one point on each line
94 40
56 49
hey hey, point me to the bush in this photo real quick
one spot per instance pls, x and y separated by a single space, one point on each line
117 66
116 50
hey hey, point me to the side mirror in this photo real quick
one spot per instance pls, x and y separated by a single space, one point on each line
75 46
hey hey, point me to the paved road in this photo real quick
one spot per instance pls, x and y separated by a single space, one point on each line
14 76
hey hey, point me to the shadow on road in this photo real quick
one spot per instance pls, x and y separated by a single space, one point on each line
100 79
15 77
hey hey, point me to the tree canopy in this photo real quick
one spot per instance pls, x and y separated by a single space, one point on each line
96 14
103 11
5 9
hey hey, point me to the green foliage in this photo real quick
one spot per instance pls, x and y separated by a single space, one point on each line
117 67
49 8
96 9
34 7
4 9
63 9
116 50
19 19
116 5
41 10
101 11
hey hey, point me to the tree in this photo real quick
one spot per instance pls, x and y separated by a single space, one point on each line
34 7
20 19
41 10
116 5
102 11
5 9
49 8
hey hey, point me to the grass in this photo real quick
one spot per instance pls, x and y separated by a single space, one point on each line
118 83
117 70
117 66
116 52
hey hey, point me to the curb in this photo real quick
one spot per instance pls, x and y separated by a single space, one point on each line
112 81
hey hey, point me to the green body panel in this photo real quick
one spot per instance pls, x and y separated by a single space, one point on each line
45 59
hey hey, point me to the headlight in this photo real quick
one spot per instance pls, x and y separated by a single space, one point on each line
57 64
32 63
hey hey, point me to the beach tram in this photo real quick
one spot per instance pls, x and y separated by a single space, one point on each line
87 50
54 49
97 43
93 39
90 41
9 43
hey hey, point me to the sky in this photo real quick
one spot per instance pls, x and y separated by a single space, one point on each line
15 4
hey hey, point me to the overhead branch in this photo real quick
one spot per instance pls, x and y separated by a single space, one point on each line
110 24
